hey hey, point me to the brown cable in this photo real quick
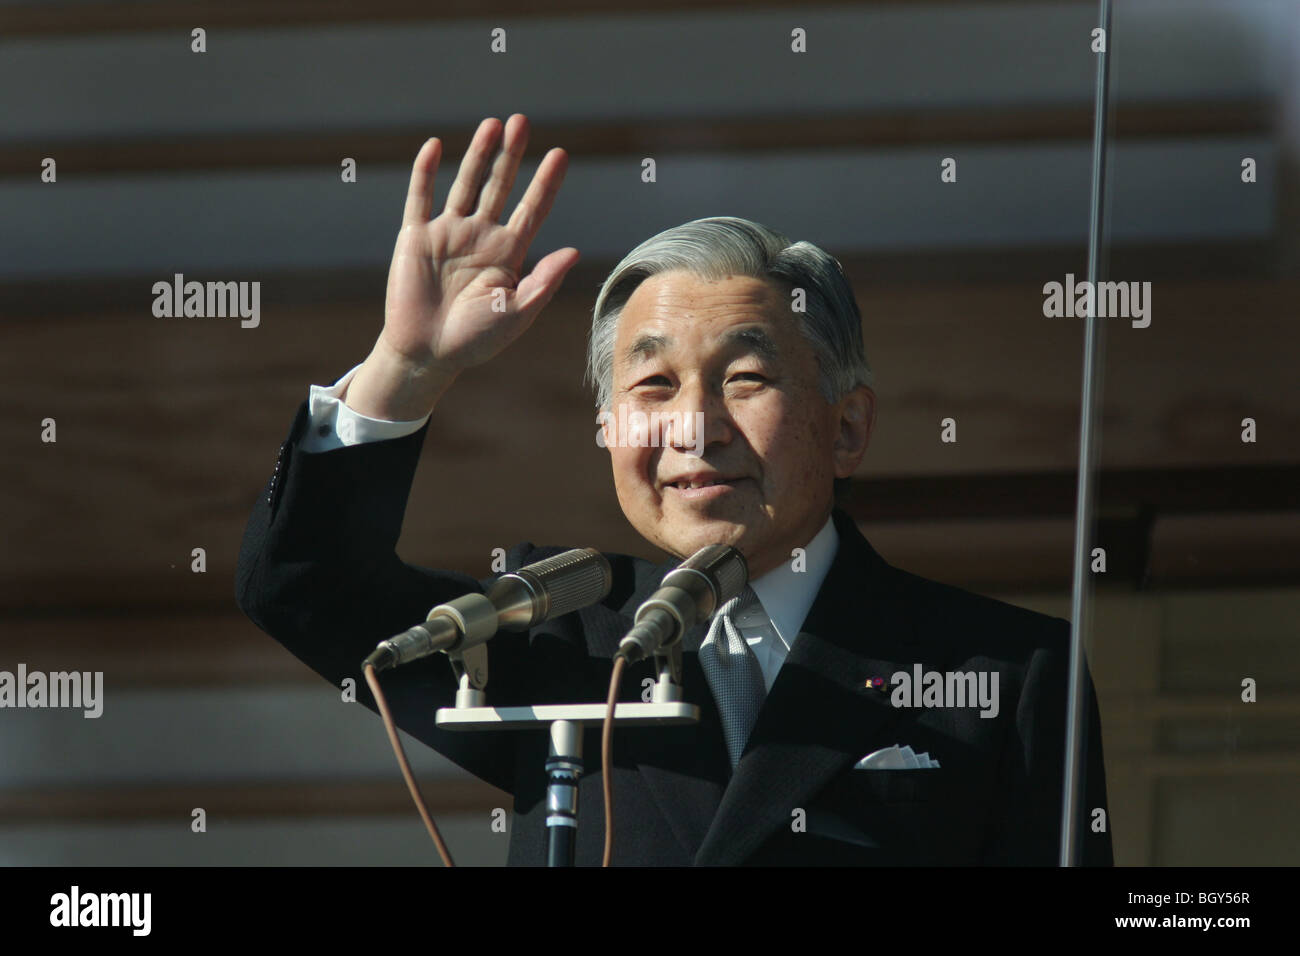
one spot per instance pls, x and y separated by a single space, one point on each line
607 754
373 681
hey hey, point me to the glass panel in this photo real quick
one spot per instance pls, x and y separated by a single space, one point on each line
1194 647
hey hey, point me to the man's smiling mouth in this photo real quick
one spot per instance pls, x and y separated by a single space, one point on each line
701 479
702 488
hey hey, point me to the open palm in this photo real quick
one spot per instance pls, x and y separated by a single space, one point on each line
455 295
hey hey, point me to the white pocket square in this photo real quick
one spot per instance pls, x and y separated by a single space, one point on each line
896 758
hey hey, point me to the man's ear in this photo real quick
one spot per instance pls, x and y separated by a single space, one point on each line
606 435
857 420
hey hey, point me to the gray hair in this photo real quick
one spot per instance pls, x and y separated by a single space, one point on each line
725 245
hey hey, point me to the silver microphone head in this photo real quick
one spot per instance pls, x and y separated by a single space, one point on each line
690 593
551 587
721 567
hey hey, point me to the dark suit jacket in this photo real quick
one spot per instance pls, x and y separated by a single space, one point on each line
319 573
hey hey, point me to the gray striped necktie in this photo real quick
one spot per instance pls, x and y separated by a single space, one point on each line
733 672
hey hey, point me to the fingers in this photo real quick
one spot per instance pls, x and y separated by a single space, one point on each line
419 195
533 208
473 168
537 288
502 178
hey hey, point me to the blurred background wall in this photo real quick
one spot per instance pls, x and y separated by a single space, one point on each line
225 166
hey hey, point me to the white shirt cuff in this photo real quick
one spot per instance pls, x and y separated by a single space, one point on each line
335 425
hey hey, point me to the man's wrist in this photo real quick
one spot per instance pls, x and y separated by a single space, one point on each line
392 387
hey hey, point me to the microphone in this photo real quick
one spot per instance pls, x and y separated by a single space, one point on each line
689 594
513 602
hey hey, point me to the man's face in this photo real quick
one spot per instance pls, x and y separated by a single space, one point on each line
726 353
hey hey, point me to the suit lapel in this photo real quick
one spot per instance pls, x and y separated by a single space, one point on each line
819 715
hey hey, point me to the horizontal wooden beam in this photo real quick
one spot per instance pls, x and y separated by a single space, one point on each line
645 137
138 803
72 19
1034 555
1235 259
140 646
1280 763
1165 490
1119 707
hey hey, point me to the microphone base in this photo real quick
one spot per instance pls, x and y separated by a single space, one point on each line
667 714
564 767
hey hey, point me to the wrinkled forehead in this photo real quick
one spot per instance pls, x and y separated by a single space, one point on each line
677 313
755 339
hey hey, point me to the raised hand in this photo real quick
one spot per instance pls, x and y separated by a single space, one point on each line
447 273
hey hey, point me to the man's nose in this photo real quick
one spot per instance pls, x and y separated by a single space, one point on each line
696 419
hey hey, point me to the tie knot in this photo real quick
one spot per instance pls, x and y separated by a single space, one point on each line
742 603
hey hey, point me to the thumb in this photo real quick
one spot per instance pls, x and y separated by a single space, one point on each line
537 288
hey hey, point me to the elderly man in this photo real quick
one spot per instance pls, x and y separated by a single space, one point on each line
853 749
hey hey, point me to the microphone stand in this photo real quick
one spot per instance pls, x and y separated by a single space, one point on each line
563 766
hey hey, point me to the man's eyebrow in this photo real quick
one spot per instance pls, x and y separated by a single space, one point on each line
750 338
646 347
754 339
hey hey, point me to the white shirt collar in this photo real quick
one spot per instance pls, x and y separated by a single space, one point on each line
787 595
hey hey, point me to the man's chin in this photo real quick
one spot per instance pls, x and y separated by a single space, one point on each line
686 537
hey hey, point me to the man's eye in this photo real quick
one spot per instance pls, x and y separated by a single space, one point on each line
752 376
653 380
